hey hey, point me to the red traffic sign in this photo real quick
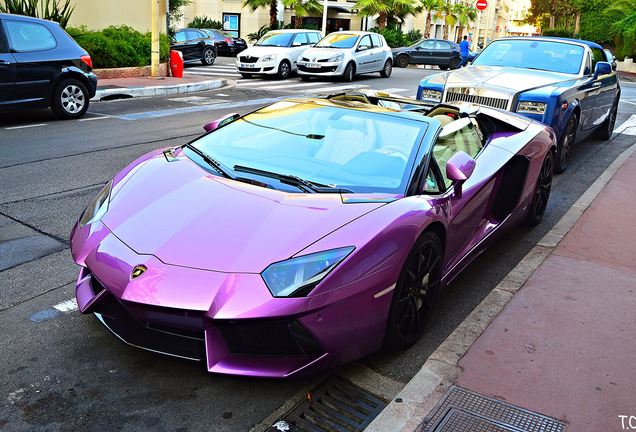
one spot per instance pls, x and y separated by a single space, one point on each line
481 4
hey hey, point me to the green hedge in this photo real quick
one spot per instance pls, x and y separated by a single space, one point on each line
558 32
396 38
118 46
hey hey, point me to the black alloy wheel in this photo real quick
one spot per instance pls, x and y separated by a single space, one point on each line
208 57
443 67
564 147
541 192
415 293
284 69
387 69
606 130
402 61
349 73
455 63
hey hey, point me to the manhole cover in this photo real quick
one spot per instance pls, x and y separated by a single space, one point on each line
335 405
461 410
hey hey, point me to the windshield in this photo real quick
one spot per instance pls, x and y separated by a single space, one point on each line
365 152
338 40
534 54
276 39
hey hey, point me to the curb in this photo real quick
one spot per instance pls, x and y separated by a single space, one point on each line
160 90
420 395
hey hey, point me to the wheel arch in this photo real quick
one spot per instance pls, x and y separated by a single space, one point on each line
69 73
439 230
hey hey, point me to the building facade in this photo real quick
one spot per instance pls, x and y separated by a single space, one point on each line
100 14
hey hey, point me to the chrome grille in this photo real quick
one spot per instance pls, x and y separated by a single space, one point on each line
463 95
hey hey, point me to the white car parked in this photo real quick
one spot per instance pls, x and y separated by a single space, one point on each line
347 54
276 53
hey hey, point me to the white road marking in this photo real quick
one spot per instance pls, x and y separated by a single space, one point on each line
211 69
66 306
222 94
26 126
213 73
253 83
342 87
629 102
393 90
293 85
628 127
94 118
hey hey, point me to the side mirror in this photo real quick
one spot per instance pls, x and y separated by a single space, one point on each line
362 48
222 121
459 168
602 68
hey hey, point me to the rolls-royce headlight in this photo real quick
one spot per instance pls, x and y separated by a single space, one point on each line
337 57
531 108
97 207
296 277
433 95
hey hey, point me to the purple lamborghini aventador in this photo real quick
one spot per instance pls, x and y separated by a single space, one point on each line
307 233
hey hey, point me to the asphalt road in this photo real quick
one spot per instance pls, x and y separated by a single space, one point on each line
63 371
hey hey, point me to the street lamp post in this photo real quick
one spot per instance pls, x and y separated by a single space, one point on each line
154 29
325 6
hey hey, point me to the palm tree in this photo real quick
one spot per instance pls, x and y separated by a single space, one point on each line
466 14
303 8
429 6
625 7
400 9
380 8
271 4
445 10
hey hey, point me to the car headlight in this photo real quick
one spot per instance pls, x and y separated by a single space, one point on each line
295 277
97 207
434 95
531 107
267 58
337 57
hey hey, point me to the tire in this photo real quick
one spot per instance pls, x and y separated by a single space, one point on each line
70 99
349 73
304 78
246 75
606 130
415 293
443 67
284 70
541 192
387 69
208 57
455 63
565 144
402 61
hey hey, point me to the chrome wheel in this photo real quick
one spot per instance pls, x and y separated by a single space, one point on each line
72 99
388 68
208 56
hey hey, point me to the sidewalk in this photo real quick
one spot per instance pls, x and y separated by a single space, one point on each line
561 343
148 86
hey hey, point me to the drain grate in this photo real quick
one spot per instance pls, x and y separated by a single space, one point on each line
335 405
461 410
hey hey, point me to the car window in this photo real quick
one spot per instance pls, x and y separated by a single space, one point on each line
300 39
28 36
441 45
313 37
365 42
458 135
377 41
276 39
597 56
588 64
338 40
428 45
431 185
3 46
192 35
180 37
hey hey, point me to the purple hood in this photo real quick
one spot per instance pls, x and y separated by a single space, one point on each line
188 217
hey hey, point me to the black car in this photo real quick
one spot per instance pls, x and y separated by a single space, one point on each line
226 44
42 66
195 44
437 52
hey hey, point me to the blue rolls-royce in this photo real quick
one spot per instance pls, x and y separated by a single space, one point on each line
568 84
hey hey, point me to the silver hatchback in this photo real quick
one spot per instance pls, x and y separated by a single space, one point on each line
347 54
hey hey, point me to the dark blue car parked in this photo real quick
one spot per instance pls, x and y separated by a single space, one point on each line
42 66
567 84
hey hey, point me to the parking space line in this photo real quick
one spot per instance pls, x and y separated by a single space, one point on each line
292 84
94 118
257 83
212 73
210 68
25 126
394 90
64 307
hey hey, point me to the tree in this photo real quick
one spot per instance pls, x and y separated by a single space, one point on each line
272 5
430 6
446 11
302 8
175 12
466 14
387 11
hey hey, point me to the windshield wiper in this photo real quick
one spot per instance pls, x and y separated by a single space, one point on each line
306 185
218 166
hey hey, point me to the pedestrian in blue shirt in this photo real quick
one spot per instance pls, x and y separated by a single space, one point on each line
463 51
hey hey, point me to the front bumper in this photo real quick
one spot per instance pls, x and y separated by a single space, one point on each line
228 321
325 69
259 67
